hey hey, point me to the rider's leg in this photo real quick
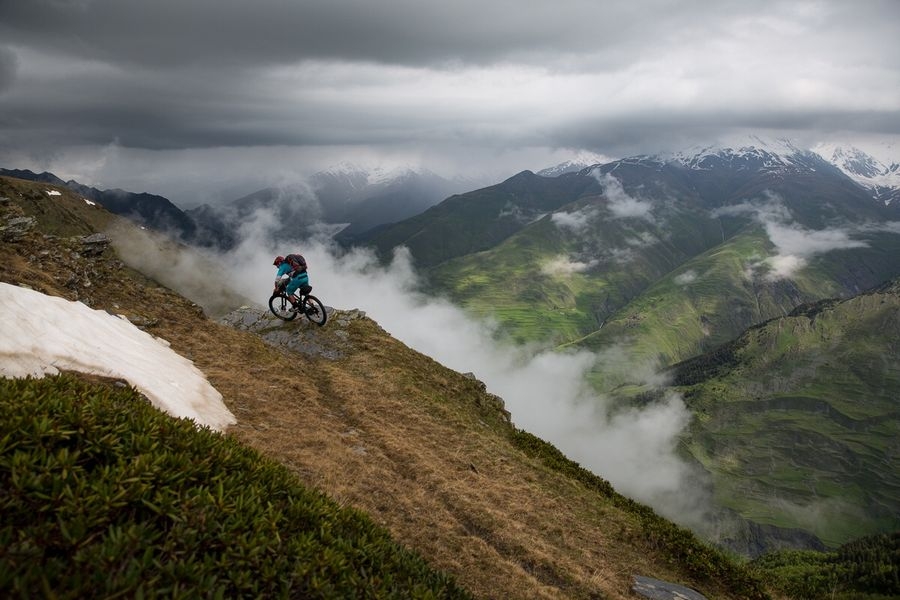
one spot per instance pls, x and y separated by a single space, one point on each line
291 287
295 283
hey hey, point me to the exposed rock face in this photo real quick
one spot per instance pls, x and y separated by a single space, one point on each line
15 228
755 539
94 245
299 335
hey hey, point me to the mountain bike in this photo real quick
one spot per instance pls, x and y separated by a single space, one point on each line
304 303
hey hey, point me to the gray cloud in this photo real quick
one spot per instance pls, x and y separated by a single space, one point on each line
435 78
170 32
8 68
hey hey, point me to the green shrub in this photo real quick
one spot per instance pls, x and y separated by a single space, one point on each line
102 495
866 568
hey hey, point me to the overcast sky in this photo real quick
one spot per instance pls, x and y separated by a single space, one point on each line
171 96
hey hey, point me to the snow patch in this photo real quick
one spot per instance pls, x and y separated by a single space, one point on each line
43 335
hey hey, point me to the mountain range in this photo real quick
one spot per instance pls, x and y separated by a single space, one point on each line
343 200
795 420
650 261
659 259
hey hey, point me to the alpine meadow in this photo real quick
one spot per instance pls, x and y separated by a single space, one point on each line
483 299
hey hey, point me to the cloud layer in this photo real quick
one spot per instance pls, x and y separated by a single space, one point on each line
471 85
794 244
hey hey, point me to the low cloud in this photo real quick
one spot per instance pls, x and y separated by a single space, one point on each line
563 265
687 277
546 392
794 244
576 221
622 205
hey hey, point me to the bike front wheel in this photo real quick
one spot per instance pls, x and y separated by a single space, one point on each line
315 310
281 307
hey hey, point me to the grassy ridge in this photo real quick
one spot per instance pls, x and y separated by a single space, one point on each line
797 419
552 284
103 495
706 301
480 219
679 545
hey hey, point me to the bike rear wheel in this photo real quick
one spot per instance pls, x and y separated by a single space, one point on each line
282 308
315 310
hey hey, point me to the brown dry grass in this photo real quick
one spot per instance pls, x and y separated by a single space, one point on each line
390 432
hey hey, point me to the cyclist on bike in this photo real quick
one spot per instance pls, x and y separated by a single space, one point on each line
291 276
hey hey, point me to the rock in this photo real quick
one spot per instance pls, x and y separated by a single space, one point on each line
139 321
94 245
662 590
299 335
16 228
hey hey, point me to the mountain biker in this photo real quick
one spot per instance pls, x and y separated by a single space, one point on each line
291 275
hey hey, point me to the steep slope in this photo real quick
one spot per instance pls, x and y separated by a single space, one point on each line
104 496
422 449
882 179
149 210
480 219
797 419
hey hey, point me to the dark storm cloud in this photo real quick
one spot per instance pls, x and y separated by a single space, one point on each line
170 32
8 64
613 77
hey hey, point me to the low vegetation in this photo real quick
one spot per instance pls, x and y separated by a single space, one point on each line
102 495
868 568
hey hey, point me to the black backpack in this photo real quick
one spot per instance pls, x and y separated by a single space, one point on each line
297 262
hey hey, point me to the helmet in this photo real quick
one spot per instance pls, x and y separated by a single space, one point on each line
278 260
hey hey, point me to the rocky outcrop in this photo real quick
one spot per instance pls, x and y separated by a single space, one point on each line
300 335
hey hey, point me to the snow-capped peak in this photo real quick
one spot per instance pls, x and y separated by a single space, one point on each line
879 175
580 161
855 162
766 154
382 174
371 174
